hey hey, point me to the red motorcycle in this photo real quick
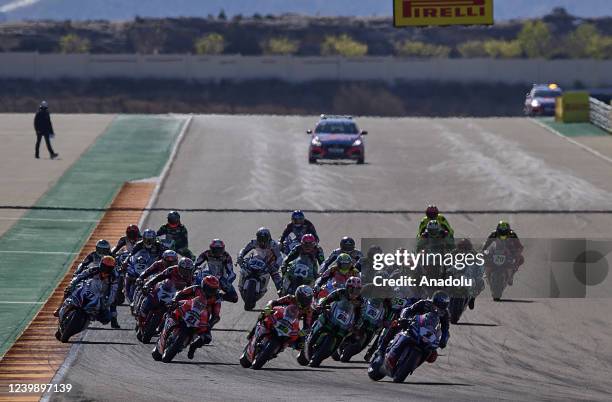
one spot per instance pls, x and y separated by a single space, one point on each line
189 320
272 335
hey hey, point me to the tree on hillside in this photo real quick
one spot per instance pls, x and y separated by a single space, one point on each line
212 43
280 46
472 49
343 45
421 49
501 49
72 43
535 39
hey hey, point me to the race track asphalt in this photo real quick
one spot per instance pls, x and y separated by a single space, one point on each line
523 349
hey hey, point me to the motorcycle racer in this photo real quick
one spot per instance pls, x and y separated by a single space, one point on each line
474 271
132 236
511 240
432 213
342 269
208 292
216 254
265 247
150 243
347 246
438 304
176 232
105 272
103 248
307 248
299 226
168 259
435 239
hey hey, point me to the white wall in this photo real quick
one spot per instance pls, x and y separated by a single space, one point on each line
592 73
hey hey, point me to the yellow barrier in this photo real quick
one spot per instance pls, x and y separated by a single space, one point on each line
572 107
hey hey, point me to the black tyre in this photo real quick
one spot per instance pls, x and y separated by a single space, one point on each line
267 352
456 309
174 345
360 161
350 350
312 160
407 366
250 296
150 328
498 283
374 370
73 323
323 351
301 358
156 355
244 361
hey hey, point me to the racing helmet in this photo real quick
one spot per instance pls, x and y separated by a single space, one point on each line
440 299
373 250
170 257
503 229
132 232
263 237
210 285
107 265
432 212
303 296
148 237
174 219
433 228
308 242
44 105
186 268
344 263
353 286
103 247
297 218
347 244
217 247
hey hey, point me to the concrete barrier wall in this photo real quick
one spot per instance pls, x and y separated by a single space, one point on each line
595 73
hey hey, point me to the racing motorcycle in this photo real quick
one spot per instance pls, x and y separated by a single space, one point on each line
254 278
290 243
80 308
188 320
136 265
370 322
163 293
397 305
408 350
300 271
272 335
499 261
328 332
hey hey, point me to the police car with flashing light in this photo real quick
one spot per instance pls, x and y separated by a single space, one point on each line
540 101
336 137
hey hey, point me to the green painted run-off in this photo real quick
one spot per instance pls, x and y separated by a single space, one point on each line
573 129
131 148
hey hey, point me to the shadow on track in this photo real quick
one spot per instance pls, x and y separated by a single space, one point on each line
338 163
108 329
343 367
205 363
294 369
476 324
453 384
230 330
515 301
101 343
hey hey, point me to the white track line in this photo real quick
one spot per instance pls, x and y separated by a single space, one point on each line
74 349
35 252
164 173
584 147
7 218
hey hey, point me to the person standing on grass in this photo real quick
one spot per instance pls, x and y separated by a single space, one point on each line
43 128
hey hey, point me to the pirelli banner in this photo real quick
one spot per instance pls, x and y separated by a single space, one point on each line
442 12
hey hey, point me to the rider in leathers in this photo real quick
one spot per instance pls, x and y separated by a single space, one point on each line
150 243
505 233
299 226
347 246
132 236
174 230
308 248
216 254
265 247
438 304
103 248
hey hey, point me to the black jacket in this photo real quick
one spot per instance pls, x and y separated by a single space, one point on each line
42 122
